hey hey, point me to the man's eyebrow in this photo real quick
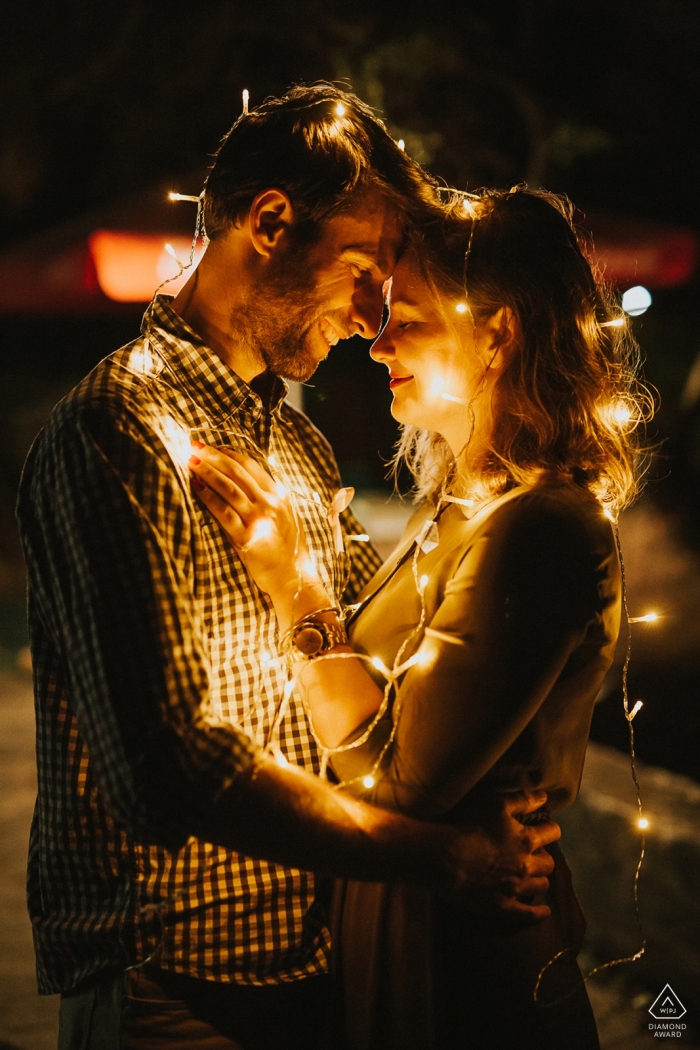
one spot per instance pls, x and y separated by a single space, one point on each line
402 300
366 248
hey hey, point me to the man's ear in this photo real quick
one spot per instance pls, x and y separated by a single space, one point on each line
270 216
496 338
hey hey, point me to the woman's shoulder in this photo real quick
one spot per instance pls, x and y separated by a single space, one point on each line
552 530
553 508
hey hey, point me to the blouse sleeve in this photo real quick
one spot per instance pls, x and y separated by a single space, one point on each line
515 609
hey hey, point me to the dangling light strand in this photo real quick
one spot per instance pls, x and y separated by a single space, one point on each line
246 99
641 823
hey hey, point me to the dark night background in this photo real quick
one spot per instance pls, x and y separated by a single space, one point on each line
598 99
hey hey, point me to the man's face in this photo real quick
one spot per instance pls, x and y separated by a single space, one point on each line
312 296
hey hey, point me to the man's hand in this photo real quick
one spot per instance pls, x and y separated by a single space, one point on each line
502 863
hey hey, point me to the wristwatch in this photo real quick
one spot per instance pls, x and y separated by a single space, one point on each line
312 637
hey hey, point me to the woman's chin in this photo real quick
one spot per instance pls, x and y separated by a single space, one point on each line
408 415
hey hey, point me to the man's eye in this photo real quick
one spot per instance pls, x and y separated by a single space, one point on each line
404 324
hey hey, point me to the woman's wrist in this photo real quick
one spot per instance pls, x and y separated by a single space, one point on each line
300 598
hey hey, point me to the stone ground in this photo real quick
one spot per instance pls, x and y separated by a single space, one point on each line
27 1020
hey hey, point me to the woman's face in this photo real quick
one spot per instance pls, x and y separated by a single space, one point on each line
434 366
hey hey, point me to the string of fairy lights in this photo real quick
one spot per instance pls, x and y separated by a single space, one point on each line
620 414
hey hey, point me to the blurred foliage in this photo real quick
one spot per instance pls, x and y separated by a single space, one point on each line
590 96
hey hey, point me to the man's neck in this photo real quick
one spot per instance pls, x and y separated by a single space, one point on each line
207 303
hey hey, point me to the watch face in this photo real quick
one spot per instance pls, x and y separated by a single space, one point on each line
309 640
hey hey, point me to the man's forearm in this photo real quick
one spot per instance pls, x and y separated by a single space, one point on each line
292 818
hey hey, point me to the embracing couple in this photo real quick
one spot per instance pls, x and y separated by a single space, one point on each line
233 693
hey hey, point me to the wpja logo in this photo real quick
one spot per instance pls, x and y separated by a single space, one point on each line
668 1010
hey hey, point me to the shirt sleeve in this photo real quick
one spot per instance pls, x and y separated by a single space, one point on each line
517 606
108 524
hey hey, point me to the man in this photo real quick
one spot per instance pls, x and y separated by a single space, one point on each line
168 884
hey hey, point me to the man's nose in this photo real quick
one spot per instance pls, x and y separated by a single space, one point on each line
367 308
382 349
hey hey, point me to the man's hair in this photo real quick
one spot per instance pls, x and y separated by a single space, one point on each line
569 402
319 144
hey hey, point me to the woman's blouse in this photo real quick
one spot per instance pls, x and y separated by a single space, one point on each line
522 612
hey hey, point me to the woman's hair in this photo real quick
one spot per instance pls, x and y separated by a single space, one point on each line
568 402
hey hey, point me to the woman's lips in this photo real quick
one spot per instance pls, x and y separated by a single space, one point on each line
396 381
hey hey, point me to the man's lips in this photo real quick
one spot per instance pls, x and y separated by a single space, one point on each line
329 332
396 381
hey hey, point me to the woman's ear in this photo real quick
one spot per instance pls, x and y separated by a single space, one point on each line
495 338
269 219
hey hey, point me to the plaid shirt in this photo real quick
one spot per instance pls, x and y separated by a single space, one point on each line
157 672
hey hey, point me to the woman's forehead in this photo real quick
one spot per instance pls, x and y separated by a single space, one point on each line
408 287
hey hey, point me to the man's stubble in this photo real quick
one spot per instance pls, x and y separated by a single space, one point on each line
277 319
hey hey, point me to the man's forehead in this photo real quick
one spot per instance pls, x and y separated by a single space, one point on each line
375 231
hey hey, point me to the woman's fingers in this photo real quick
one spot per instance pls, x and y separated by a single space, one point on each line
232 467
222 510
223 485
253 468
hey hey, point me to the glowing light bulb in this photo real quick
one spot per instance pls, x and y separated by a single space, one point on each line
401 144
381 666
437 385
423 583
636 300
461 308
246 99
340 110
289 688
468 207
265 659
643 823
272 460
359 537
617 322
368 781
420 658
173 254
261 530
636 709
452 397
177 440
281 490
650 617
280 759
183 197
308 566
622 413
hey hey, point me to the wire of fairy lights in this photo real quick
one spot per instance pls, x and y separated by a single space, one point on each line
642 822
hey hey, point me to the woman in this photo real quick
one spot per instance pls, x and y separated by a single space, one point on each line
480 646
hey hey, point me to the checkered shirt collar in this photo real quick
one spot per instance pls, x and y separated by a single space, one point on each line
211 383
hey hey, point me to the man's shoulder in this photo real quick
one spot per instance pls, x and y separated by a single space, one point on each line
121 387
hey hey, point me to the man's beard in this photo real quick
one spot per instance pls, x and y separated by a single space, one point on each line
276 321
